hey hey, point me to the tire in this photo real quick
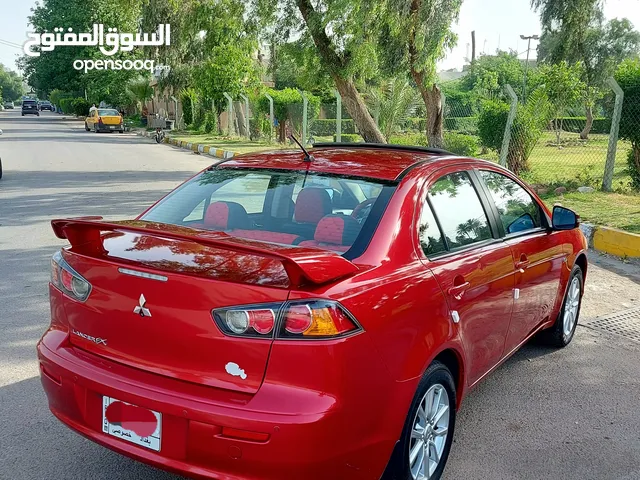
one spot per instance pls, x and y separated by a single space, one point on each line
0 168
95 128
561 333
86 127
437 380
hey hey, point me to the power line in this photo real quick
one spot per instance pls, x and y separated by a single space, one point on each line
10 44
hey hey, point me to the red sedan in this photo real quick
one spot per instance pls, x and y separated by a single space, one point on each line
284 316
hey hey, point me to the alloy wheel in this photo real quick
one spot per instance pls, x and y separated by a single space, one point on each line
429 433
571 305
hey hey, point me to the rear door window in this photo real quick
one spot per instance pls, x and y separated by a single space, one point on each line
518 211
462 217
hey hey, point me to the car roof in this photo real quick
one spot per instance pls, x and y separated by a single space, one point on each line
380 161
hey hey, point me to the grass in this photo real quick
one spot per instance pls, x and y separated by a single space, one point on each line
238 145
601 208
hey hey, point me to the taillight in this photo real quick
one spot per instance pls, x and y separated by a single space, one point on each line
300 319
99 119
66 279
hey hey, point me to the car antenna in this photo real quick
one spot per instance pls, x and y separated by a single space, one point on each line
307 157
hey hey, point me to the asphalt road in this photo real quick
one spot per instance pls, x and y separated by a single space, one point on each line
570 414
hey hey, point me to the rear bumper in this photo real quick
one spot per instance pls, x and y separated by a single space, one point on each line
109 128
310 439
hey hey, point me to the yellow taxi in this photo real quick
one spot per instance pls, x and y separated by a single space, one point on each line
104 120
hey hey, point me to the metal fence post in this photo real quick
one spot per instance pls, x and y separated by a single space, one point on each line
506 139
607 179
270 98
229 113
175 104
338 116
305 117
246 112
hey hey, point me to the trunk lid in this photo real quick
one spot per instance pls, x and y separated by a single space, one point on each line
154 287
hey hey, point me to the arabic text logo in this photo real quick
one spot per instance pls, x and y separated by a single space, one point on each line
109 44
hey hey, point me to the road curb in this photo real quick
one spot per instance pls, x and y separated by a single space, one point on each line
194 147
612 241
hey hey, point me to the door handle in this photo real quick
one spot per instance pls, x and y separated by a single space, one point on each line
522 264
458 290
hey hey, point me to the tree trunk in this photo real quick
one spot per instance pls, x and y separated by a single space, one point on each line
282 131
356 107
336 66
243 131
584 135
433 103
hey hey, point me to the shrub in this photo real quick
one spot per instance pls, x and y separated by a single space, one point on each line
415 124
628 77
210 123
65 105
80 107
633 168
327 126
468 125
187 107
461 144
348 138
415 139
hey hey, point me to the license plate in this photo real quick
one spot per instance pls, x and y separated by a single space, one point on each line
131 423
112 127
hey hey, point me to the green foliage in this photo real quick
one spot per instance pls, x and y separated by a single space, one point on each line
10 84
80 107
54 69
210 122
416 139
394 101
189 101
287 107
327 126
489 74
628 77
415 124
601 125
563 87
139 91
461 144
55 96
65 105
348 138
491 124
468 125
528 127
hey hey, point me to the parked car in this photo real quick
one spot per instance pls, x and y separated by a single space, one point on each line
292 316
104 120
45 105
9 105
30 107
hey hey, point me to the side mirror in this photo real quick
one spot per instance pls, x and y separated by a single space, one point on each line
564 219
0 132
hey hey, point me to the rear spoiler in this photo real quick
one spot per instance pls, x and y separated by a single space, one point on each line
302 264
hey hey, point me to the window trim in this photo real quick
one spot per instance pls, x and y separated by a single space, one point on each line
544 221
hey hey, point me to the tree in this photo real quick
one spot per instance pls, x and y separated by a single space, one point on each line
139 91
575 31
55 69
489 74
563 87
287 108
628 77
414 35
343 35
10 84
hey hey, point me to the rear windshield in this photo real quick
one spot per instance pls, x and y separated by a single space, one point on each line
280 206
29 102
108 111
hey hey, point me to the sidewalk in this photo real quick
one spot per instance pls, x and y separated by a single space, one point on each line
211 150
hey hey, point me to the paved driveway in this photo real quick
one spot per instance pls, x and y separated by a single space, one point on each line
570 414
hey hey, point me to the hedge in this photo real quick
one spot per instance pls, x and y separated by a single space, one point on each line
327 126
467 125
601 125
461 144
348 138
415 124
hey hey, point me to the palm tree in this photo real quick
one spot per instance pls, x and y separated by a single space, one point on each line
392 103
139 91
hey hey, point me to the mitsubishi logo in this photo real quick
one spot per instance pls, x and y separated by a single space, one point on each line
141 309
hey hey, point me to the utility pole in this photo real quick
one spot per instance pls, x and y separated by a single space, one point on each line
473 46
526 65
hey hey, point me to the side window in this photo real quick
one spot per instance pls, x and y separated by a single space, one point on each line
458 207
518 211
429 233
249 191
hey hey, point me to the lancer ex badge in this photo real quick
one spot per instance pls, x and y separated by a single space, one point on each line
141 309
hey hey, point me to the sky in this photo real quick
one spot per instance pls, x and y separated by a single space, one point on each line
498 24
